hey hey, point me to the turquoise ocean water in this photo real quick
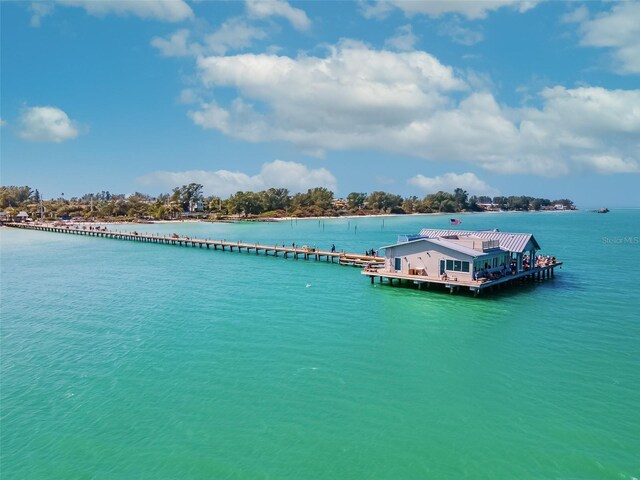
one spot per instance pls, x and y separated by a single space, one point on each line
127 360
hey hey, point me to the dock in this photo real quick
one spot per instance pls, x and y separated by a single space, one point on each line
306 253
464 260
373 266
453 284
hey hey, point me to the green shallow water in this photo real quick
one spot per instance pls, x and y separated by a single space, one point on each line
126 360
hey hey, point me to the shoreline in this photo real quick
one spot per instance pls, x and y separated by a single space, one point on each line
383 215
287 219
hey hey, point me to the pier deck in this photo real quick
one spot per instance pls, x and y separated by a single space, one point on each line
537 273
340 258
374 266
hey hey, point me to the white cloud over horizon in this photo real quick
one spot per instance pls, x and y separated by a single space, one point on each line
323 103
404 40
46 124
39 10
410 103
294 176
436 8
162 10
233 34
177 44
617 30
460 34
278 8
448 182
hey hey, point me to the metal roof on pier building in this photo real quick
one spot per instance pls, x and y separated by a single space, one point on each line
469 252
513 242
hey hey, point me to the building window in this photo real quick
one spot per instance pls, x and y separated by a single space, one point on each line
398 263
457 266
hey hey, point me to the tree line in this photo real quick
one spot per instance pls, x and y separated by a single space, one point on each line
271 203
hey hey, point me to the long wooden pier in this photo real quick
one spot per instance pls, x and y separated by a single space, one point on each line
340 258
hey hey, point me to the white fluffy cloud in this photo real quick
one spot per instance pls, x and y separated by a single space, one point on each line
410 103
39 10
177 44
618 29
459 33
472 9
317 103
278 8
46 124
236 33
188 96
233 34
278 174
163 10
403 40
450 181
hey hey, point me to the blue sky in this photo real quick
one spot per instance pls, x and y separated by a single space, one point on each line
497 97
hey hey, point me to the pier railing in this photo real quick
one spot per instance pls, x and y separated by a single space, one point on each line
295 252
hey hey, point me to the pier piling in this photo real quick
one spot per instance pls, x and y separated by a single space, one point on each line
345 259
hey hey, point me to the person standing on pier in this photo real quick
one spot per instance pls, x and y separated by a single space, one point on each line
333 248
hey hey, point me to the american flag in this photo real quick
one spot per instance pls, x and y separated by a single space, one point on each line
455 221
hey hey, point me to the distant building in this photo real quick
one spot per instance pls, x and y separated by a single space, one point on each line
558 206
489 206
197 206
340 203
22 217
464 255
